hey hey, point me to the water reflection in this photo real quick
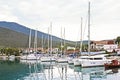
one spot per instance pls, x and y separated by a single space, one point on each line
36 70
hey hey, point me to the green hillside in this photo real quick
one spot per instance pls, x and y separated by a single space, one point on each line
10 38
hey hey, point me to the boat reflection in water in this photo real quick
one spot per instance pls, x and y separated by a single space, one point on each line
93 73
37 70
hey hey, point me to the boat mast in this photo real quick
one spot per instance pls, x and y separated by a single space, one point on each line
48 40
64 41
81 37
29 41
61 41
35 42
89 27
42 44
51 37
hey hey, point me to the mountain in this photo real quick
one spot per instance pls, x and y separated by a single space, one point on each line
23 29
15 35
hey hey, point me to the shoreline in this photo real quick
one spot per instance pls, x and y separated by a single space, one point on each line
1 56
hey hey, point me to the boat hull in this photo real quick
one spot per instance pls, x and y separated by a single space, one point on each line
92 63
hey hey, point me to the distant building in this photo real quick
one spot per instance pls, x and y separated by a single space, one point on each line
70 48
108 45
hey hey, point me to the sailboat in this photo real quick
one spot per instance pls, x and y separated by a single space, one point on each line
96 60
77 61
49 57
31 56
62 58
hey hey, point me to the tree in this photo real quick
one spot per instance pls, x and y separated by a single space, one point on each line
117 40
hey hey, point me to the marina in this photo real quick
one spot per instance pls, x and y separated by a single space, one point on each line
49 47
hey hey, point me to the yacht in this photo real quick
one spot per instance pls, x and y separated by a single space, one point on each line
32 55
92 61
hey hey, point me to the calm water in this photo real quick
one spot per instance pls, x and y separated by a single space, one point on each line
34 70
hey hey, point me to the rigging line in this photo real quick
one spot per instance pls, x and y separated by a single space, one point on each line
76 42
85 26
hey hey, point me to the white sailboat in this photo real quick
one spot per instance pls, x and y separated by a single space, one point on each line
49 57
77 61
63 58
90 61
31 56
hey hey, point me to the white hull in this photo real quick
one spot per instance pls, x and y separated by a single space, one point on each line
70 61
12 57
47 59
93 63
77 62
30 61
30 57
62 60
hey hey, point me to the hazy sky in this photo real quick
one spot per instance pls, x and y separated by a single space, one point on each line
105 16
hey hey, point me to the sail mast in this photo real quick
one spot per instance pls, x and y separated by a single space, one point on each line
29 41
81 37
35 41
51 37
89 28
61 41
42 43
64 41
48 40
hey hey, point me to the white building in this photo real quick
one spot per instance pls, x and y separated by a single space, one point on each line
110 47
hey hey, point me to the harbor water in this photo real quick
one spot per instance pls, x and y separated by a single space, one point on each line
36 70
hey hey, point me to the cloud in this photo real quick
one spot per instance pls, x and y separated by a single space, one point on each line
64 13
6 14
